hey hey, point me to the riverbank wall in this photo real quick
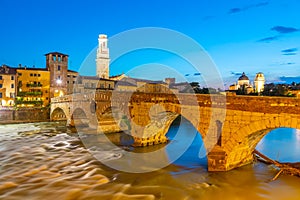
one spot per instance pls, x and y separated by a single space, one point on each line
20 115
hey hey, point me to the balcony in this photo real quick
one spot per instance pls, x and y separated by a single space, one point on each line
35 103
24 94
34 85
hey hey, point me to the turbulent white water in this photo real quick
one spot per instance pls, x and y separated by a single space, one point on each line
48 161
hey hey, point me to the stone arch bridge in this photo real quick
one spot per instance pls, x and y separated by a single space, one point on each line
231 126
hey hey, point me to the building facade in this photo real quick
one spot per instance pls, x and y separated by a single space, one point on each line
57 65
7 85
86 84
259 82
33 87
71 81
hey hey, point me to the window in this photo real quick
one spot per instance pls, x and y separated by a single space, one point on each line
0 94
73 82
12 95
12 85
68 82
1 85
12 78
31 74
39 75
47 98
20 74
0 77
58 67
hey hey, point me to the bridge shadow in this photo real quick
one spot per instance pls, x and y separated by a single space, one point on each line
180 133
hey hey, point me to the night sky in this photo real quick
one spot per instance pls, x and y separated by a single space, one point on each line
238 35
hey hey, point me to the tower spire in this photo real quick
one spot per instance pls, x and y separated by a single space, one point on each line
102 59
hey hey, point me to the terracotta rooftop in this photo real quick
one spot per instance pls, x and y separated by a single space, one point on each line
4 69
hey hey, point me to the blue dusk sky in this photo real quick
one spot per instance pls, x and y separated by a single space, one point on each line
239 35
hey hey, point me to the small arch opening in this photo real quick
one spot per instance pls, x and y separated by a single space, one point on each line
79 118
58 114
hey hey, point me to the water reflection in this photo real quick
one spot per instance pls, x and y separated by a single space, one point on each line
282 144
190 158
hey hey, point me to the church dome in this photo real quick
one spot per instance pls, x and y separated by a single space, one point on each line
244 77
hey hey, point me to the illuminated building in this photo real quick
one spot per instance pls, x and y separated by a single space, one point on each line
33 87
7 85
102 59
259 82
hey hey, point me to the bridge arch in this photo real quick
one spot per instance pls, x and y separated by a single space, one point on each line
79 118
193 149
242 143
58 114
174 111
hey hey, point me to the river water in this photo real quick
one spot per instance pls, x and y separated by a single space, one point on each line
49 161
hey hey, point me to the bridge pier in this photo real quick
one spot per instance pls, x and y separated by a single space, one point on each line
220 160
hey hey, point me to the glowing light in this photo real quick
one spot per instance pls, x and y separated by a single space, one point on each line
61 93
58 81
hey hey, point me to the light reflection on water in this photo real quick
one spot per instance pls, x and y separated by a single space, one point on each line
48 161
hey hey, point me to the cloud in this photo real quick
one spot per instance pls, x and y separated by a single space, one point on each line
236 73
291 50
281 30
284 29
268 39
234 10
288 63
289 54
237 10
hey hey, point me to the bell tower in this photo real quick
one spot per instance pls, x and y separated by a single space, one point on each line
57 64
102 59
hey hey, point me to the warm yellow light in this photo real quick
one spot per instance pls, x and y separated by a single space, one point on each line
61 93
